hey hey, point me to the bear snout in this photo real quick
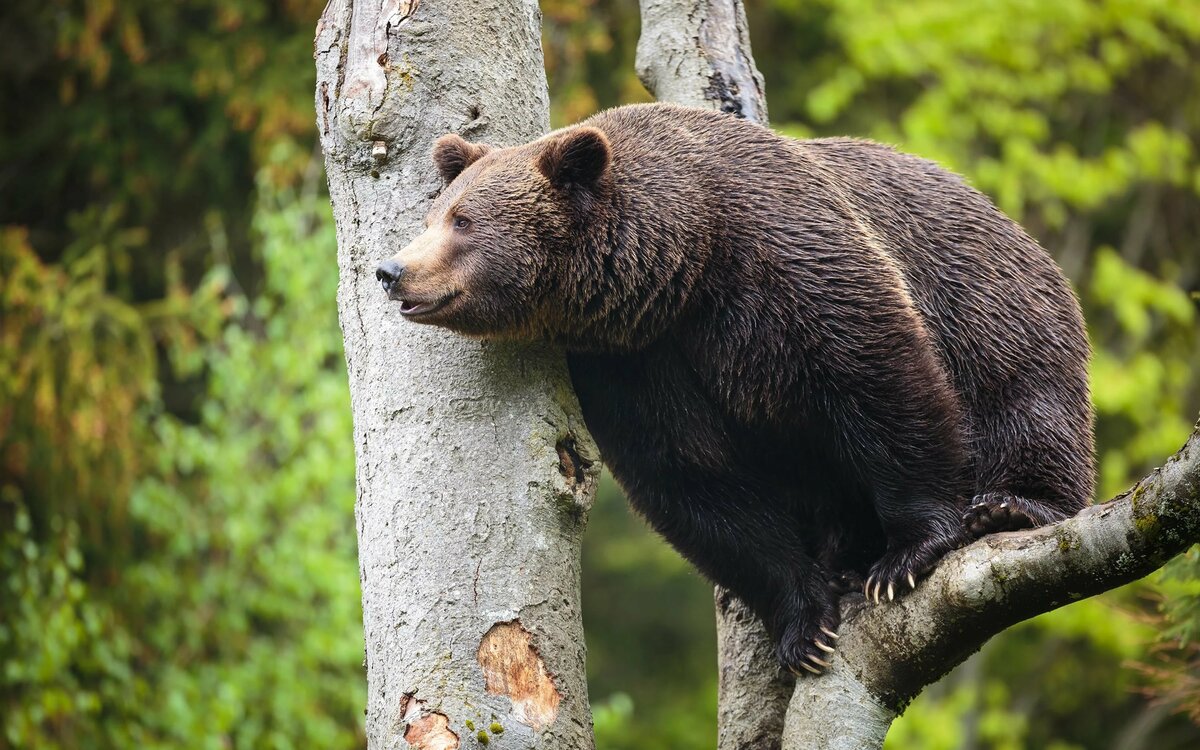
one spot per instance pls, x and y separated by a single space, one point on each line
388 274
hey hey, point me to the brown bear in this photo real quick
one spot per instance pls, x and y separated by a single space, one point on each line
805 361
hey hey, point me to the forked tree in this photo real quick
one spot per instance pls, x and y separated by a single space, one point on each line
475 472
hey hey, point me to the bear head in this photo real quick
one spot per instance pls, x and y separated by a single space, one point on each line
501 245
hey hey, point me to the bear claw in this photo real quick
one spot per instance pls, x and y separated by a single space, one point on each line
879 594
821 662
812 662
808 644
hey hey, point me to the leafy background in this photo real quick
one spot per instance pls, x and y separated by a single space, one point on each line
176 476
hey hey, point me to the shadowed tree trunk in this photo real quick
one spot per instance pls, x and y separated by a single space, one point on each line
474 471
697 52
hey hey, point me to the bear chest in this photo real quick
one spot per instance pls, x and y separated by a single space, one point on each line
655 421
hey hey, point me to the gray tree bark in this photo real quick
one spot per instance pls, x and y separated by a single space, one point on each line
697 52
474 471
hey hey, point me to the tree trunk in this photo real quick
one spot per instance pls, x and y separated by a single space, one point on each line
697 52
752 690
474 471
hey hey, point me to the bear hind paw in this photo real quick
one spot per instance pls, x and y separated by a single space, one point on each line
808 646
997 511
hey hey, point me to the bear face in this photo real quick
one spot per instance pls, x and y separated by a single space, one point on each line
498 238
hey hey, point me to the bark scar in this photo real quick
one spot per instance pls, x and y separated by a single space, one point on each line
426 731
579 468
513 668
570 463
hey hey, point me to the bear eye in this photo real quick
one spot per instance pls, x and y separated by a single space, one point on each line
461 222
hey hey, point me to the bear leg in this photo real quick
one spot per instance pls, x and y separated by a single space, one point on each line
844 553
753 548
805 622
898 423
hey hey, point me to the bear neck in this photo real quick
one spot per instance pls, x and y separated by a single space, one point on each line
634 270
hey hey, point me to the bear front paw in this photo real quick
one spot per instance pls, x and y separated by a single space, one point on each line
898 571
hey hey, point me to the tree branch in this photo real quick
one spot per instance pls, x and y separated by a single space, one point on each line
1003 579
752 690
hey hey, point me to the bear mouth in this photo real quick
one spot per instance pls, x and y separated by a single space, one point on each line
411 308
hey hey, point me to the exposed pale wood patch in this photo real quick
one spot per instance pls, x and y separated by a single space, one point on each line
426 731
431 732
513 668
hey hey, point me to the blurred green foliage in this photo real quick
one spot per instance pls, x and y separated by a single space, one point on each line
176 470
651 648
131 125
217 605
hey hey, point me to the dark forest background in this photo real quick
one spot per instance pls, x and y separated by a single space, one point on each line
177 551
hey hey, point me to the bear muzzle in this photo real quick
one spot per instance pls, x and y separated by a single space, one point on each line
420 277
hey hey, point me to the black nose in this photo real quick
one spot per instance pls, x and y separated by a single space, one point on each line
389 273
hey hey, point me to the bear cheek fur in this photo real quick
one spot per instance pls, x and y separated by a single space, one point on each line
506 273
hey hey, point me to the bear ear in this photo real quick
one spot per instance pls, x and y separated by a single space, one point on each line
452 155
578 157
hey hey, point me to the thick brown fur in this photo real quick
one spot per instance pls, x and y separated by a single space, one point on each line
804 361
